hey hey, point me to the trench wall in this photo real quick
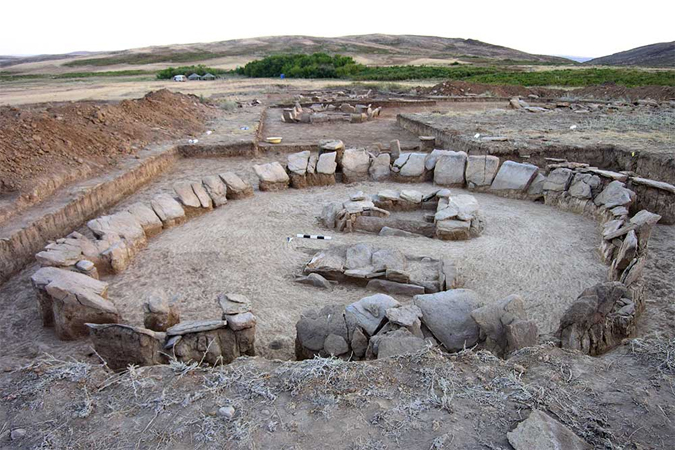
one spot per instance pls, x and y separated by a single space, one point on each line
19 243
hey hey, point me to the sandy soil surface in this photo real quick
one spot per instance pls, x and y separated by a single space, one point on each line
39 91
382 129
644 128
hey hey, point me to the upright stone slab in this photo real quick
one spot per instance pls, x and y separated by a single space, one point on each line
448 316
236 187
122 345
272 176
379 167
450 169
432 158
355 165
168 210
186 195
216 189
615 194
204 199
514 177
481 170
147 218
297 169
411 166
69 300
558 180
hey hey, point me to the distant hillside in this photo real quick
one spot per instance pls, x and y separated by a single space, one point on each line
376 49
655 55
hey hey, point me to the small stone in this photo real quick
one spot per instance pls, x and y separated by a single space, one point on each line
412 196
226 412
18 433
241 321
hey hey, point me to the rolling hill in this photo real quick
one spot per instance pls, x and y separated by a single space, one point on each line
654 55
376 49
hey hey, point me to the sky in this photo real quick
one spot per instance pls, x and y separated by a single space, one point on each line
571 27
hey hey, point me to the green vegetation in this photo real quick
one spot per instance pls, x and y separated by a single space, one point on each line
318 65
579 77
321 65
171 72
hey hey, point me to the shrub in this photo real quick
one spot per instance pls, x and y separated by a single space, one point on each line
171 72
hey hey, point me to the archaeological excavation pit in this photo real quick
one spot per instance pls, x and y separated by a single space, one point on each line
242 247
485 237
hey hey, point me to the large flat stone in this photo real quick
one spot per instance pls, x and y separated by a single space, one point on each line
481 170
541 432
450 169
448 316
513 176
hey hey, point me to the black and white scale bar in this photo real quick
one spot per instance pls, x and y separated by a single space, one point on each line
313 236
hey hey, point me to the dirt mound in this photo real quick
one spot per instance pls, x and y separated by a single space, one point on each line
463 88
43 141
611 91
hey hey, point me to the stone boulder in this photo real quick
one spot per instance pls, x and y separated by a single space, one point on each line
448 316
69 251
121 225
316 280
450 169
158 312
513 176
369 313
600 318
236 187
396 343
317 333
272 176
493 320
558 180
208 341
542 432
584 185
355 165
328 264
216 188
332 146
615 194
453 230
241 321
69 300
481 170
146 218
122 345
169 211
